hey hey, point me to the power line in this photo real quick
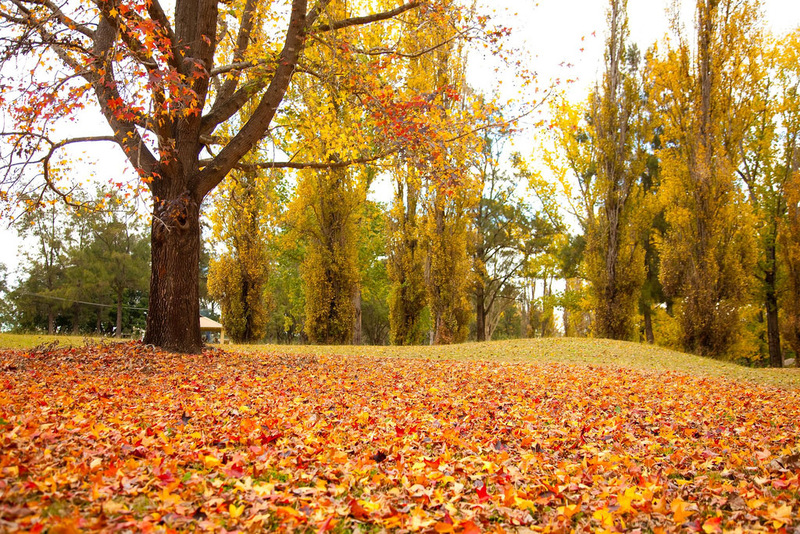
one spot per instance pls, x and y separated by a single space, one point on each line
79 301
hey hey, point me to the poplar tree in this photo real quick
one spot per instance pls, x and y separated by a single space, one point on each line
243 222
788 169
615 260
707 256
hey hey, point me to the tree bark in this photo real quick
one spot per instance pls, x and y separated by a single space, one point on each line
173 321
771 301
648 324
51 329
118 333
76 319
480 304
357 331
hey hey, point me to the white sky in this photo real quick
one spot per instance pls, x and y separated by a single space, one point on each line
551 33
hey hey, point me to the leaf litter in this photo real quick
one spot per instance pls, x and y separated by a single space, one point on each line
127 438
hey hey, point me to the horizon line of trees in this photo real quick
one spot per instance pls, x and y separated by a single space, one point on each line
679 174
82 272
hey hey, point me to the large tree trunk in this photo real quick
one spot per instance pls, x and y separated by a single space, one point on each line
173 319
76 319
51 322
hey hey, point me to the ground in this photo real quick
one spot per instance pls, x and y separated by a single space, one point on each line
515 436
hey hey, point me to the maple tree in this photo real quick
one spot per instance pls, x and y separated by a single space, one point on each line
170 90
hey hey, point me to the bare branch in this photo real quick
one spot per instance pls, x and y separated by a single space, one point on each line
237 66
224 110
66 21
367 19
308 164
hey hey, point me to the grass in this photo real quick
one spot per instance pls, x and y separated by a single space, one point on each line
578 351
29 341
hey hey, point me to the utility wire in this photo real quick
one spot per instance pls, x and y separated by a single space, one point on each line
79 301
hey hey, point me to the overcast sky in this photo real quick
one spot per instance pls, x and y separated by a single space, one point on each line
553 33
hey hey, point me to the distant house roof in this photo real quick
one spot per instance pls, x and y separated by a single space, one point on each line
209 324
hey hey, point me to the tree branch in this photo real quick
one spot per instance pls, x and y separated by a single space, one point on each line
367 19
242 42
308 164
262 116
66 21
156 12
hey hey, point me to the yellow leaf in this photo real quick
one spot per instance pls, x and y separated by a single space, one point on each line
680 513
604 516
625 500
755 503
569 510
370 506
262 490
235 511
113 507
782 514
168 498
211 461
524 504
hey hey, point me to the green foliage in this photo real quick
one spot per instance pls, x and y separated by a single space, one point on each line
507 233
375 284
88 270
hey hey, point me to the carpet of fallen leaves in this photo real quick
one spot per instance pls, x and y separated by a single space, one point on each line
127 438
